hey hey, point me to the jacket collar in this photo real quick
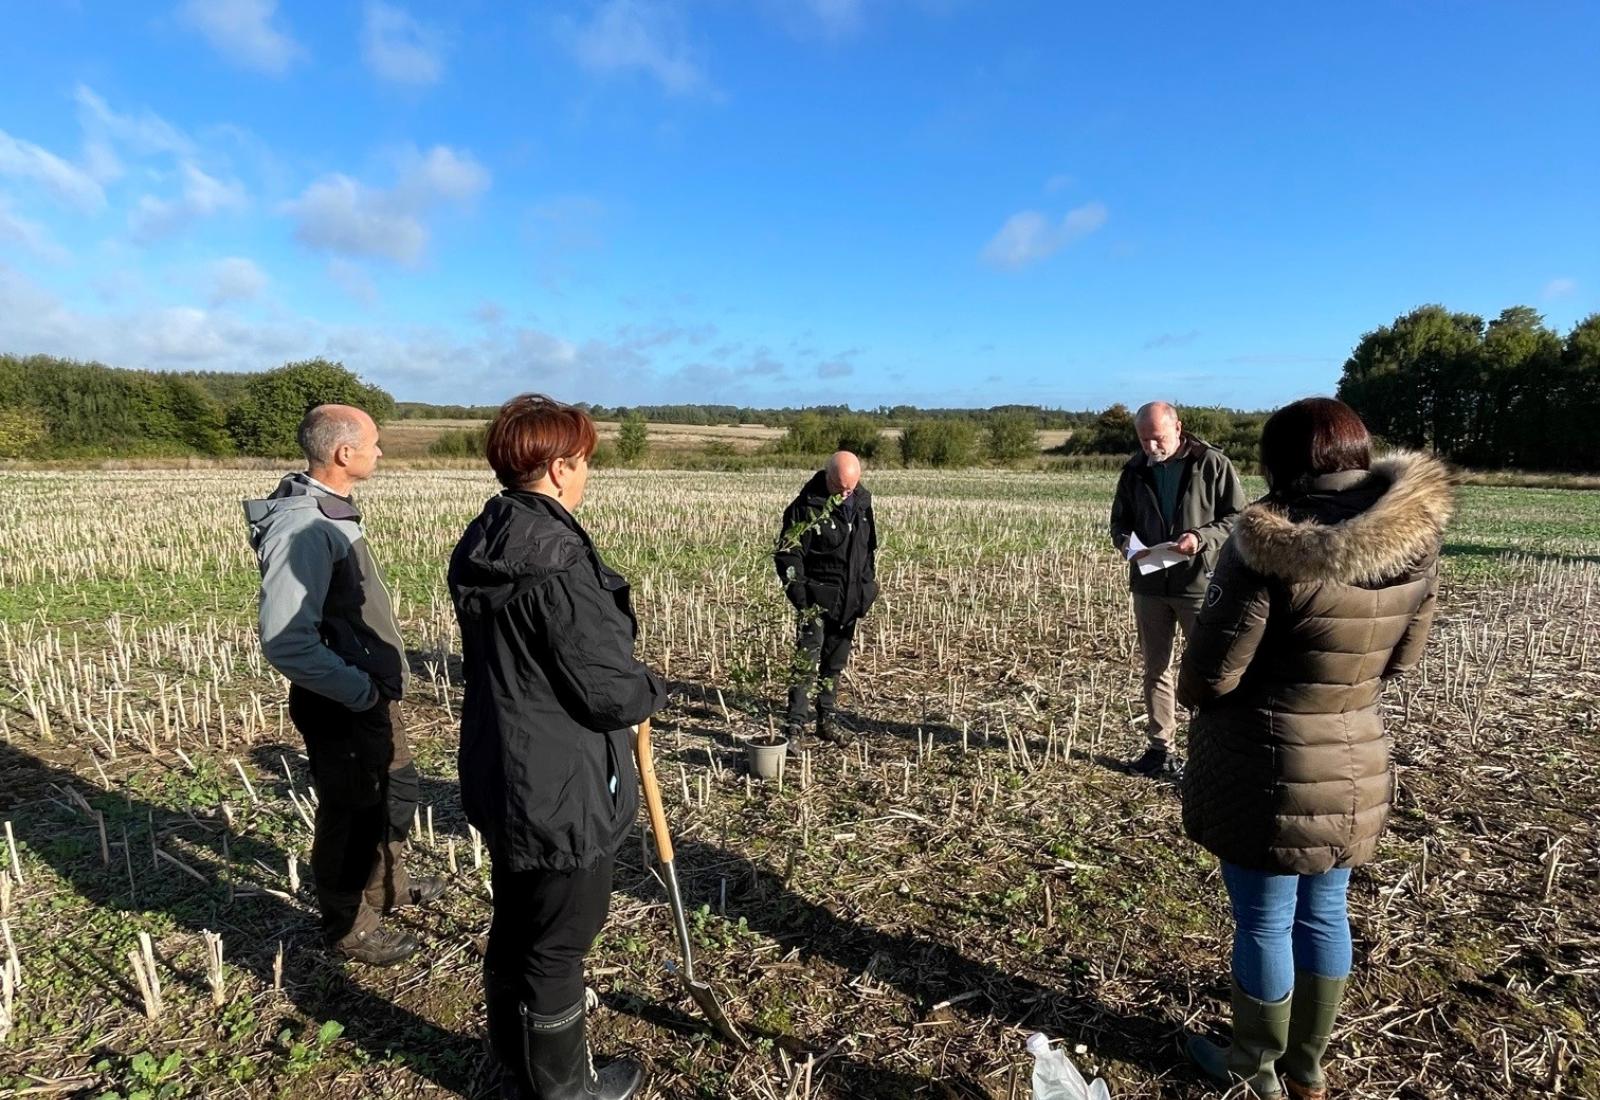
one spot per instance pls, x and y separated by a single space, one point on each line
817 490
543 503
302 485
1404 525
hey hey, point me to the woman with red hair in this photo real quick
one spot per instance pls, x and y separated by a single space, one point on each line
547 775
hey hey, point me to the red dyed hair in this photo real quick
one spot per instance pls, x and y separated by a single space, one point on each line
531 431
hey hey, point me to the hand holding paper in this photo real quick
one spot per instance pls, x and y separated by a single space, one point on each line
1161 556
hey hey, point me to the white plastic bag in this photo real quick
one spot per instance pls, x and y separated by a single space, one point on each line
1056 1078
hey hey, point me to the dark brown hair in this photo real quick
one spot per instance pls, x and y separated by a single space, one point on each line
529 432
1311 437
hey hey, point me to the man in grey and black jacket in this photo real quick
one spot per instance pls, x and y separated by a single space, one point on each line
1183 491
327 625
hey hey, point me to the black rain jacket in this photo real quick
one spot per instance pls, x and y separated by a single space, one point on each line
826 556
552 687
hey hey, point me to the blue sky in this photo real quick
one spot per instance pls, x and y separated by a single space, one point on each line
783 202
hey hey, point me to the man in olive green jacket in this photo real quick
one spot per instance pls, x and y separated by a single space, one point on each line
1183 491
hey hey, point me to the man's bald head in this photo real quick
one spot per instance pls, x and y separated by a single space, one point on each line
844 472
1160 430
1155 413
326 428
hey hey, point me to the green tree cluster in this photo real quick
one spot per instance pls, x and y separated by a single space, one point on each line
938 442
1012 436
633 439
1509 393
266 417
460 443
812 433
58 408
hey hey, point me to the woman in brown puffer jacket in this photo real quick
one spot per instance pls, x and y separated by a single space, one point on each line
1324 591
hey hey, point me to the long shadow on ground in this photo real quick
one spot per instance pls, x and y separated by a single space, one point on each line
926 972
313 981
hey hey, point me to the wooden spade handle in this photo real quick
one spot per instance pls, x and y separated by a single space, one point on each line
652 791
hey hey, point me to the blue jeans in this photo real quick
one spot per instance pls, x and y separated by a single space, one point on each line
1284 923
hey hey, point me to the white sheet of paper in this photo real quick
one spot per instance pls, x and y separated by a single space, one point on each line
1161 556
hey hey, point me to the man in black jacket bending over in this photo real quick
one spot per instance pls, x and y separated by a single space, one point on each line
825 561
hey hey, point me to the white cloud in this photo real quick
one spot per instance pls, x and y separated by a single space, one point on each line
145 134
29 235
243 31
642 35
1560 288
398 48
202 196
34 321
442 175
344 216
338 214
1029 236
64 181
420 362
236 279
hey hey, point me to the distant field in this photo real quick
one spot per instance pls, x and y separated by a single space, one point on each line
410 438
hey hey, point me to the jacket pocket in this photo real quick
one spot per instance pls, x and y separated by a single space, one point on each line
612 780
829 597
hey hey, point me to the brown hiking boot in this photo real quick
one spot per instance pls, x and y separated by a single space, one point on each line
423 889
378 947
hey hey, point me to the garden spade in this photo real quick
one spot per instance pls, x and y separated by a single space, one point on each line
700 991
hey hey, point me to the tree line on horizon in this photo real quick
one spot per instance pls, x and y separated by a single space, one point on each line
1507 393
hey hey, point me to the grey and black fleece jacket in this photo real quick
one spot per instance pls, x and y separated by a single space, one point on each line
326 620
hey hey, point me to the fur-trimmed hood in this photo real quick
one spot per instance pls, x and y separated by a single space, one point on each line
1401 528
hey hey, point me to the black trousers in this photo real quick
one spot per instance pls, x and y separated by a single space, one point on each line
544 924
821 651
367 790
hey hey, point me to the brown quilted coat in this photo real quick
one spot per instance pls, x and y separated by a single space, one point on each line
1314 604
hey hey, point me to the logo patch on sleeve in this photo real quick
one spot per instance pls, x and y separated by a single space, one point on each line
1213 595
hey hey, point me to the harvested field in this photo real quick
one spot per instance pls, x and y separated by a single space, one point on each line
890 921
410 438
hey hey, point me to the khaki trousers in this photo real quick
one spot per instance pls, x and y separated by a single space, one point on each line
1158 619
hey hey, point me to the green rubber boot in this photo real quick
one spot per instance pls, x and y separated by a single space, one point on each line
1313 1008
1260 1034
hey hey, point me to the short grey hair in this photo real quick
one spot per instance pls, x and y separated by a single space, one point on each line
326 428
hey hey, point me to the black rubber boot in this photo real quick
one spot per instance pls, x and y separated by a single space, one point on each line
504 1012
558 1065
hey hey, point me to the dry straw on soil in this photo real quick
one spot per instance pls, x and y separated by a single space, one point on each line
891 920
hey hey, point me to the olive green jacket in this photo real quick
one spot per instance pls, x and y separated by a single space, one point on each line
1209 497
